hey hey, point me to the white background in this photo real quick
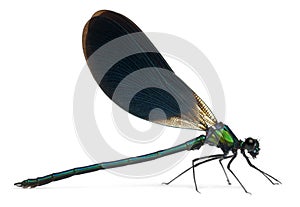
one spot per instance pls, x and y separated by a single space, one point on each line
254 47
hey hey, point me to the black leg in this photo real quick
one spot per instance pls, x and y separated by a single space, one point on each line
262 172
228 167
213 157
194 176
220 161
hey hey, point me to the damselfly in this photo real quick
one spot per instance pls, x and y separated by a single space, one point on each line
107 36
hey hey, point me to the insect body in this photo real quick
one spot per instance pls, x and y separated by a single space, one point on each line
134 75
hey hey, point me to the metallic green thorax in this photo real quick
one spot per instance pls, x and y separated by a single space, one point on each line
221 136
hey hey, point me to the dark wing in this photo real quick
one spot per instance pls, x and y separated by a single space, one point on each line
131 71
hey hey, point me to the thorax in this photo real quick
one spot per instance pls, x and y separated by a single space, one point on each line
220 135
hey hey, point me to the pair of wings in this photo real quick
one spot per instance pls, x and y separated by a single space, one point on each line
134 75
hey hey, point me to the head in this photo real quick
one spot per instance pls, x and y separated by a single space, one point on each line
252 146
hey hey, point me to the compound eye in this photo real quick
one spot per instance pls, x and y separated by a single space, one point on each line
250 143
